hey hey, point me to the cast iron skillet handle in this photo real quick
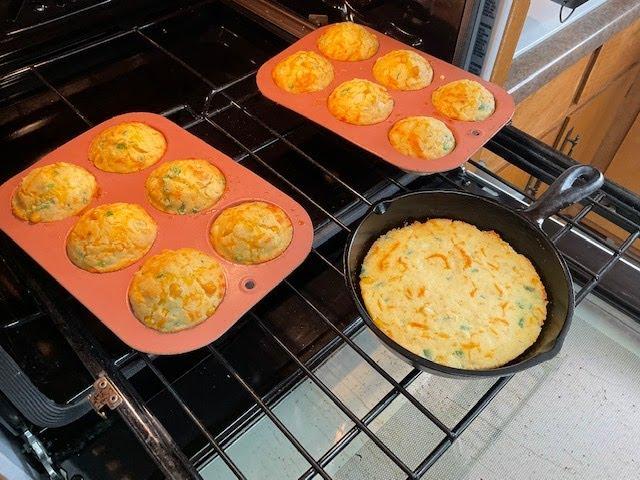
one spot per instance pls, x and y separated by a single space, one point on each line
563 192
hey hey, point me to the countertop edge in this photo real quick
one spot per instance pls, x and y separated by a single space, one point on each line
537 66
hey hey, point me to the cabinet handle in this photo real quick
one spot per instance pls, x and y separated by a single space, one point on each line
573 141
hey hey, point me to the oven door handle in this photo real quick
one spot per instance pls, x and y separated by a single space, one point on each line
31 402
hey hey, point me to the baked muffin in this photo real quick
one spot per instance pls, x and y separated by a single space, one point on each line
347 41
111 237
53 192
360 102
464 100
127 147
185 186
422 137
453 294
176 289
251 233
403 70
303 72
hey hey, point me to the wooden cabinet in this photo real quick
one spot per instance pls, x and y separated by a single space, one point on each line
587 126
547 107
625 166
617 55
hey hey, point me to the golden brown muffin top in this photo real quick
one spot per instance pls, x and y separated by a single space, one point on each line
177 289
303 72
127 147
111 237
251 232
53 192
185 186
348 41
403 70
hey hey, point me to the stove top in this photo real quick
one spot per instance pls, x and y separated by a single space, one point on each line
197 67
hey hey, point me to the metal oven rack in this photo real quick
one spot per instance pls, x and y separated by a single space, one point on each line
612 202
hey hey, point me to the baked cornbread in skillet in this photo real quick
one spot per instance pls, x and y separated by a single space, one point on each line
403 70
348 42
360 102
185 186
251 232
111 237
422 137
53 192
453 294
127 147
177 289
303 72
465 100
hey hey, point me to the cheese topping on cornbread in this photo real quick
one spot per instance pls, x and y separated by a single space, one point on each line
127 147
403 70
360 102
465 100
177 289
422 137
111 237
453 294
303 72
185 186
251 233
53 192
348 41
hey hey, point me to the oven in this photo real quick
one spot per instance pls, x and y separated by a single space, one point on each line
299 387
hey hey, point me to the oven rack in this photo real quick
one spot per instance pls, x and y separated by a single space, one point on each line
612 202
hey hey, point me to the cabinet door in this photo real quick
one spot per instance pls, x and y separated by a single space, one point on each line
586 128
625 166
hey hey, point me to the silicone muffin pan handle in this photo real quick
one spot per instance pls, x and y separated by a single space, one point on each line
565 191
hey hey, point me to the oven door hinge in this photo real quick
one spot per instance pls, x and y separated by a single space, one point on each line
105 395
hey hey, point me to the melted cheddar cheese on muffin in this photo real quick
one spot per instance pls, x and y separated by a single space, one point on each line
177 289
348 42
53 192
360 102
422 137
403 70
111 237
127 147
185 186
251 233
303 72
464 100
453 294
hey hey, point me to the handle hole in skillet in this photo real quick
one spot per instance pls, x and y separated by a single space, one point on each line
249 284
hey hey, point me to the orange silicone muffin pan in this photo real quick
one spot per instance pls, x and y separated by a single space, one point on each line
106 294
469 136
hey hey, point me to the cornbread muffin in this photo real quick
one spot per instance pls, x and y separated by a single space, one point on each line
251 233
111 237
303 72
185 186
348 42
360 102
53 192
453 294
403 70
127 147
176 289
464 100
422 137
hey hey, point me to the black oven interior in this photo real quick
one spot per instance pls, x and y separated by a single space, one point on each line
196 65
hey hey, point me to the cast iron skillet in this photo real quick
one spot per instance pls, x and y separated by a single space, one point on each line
521 229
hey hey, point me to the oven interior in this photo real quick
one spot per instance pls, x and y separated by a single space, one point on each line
196 65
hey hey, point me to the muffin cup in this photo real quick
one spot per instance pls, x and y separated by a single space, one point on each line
470 136
105 294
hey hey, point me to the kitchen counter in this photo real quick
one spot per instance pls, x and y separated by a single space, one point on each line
536 66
